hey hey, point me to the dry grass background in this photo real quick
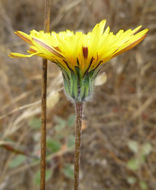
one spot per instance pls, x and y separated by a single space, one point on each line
122 110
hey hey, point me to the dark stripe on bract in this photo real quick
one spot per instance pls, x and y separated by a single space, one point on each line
77 62
77 69
85 52
67 65
84 95
91 61
98 64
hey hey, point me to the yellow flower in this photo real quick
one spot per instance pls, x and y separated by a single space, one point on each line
80 55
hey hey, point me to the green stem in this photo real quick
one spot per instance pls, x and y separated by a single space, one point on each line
79 110
43 104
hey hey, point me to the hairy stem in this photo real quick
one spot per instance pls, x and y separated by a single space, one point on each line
43 104
79 110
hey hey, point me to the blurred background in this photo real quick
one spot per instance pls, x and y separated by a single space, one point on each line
119 132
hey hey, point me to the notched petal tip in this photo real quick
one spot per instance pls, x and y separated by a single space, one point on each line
136 29
99 28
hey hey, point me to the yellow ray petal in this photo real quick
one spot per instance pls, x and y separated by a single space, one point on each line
48 48
24 37
19 55
76 49
133 43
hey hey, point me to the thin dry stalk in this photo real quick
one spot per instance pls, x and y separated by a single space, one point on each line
44 95
78 126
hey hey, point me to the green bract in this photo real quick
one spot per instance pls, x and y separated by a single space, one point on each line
77 86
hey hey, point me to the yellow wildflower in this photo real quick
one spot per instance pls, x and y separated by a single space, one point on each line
80 55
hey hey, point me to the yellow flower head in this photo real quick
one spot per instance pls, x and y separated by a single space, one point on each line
80 55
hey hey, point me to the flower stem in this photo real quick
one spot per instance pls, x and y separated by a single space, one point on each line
43 127
79 111
43 104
